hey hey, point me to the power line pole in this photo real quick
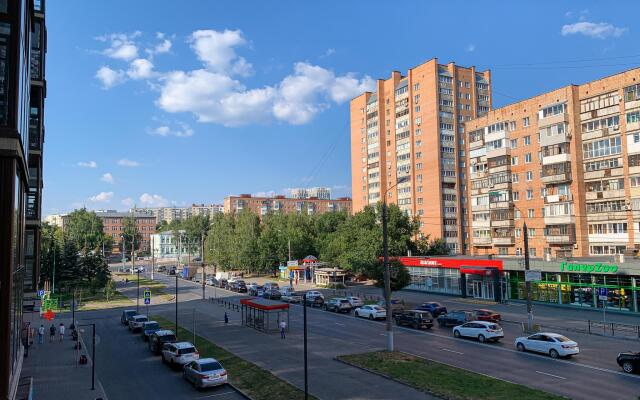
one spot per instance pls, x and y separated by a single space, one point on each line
527 284
387 277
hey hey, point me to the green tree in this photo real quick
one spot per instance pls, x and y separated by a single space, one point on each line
245 239
109 289
69 272
219 247
94 269
427 247
51 251
86 230
398 275
131 236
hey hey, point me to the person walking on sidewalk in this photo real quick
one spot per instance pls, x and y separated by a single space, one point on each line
226 318
41 334
52 332
61 330
283 326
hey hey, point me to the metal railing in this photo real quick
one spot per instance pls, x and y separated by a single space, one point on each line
613 329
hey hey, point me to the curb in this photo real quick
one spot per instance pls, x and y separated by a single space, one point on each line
241 392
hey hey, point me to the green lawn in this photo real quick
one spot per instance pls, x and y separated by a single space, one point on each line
442 380
256 382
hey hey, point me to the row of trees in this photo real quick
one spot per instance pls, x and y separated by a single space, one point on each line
75 258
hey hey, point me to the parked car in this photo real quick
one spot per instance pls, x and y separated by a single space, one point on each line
210 281
251 286
455 318
338 305
487 315
233 286
241 287
149 328
371 311
126 314
159 338
253 290
314 294
290 296
355 301
179 353
205 372
553 344
162 268
629 361
397 306
314 298
172 271
436 309
482 330
271 285
273 294
223 283
417 319
136 322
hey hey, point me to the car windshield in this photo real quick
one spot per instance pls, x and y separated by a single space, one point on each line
561 338
377 308
153 325
142 319
493 326
187 350
210 366
167 338
344 301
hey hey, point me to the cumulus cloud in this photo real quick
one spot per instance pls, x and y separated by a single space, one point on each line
140 68
268 193
107 177
217 51
121 45
128 202
102 197
128 163
110 77
87 164
596 30
184 130
153 200
164 46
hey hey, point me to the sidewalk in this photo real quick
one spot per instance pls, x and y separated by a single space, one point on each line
53 365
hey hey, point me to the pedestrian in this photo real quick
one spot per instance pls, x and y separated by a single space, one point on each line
61 330
41 334
283 326
52 332
25 339
226 318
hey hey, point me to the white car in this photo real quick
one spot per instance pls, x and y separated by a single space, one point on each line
205 372
136 322
553 344
290 296
371 311
179 353
355 301
482 330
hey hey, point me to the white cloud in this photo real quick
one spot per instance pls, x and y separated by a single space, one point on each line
110 77
88 164
128 202
128 163
164 130
121 45
269 193
164 46
471 48
328 52
217 51
153 200
102 197
107 177
140 68
597 30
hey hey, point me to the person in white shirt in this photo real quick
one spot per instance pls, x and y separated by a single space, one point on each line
41 334
283 326
61 331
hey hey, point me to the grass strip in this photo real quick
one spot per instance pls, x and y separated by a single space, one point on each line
443 380
258 383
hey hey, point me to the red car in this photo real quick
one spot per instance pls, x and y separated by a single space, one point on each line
487 315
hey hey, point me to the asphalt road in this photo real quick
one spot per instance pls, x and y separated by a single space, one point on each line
592 374
127 369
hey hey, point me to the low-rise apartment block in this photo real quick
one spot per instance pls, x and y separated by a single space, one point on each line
169 214
113 226
566 163
281 204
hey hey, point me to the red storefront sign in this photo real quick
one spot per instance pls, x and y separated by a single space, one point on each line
466 266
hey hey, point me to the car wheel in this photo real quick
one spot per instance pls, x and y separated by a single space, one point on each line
481 339
416 326
456 333
520 347
553 353
627 367
371 316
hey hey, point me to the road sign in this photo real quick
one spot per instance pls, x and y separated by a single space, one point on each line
533 275
293 263
147 294
147 301
40 293
602 294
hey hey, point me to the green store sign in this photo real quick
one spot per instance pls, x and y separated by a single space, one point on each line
597 268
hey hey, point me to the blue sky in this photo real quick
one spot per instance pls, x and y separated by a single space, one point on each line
164 102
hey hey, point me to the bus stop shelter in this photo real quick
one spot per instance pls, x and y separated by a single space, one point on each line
264 315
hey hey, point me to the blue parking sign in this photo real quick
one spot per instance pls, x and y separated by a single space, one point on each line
602 293
40 293
147 301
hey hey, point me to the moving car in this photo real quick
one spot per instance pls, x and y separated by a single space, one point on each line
315 298
205 372
338 305
455 318
482 330
136 322
179 353
149 328
273 294
290 296
436 309
553 344
487 315
371 311
126 314
355 301
397 306
629 361
159 338
417 319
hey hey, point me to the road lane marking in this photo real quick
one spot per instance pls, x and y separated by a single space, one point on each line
338 323
548 374
452 351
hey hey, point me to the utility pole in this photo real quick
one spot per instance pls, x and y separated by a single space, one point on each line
176 305
124 249
306 374
289 244
203 264
53 277
153 256
387 277
527 284
138 295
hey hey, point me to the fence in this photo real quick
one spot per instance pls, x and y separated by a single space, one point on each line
613 329
226 304
362 296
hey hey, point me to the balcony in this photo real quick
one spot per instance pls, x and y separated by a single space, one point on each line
502 151
602 132
476 145
481 224
557 198
554 119
502 223
559 219
555 159
490 137
480 207
482 241
546 140
603 195
560 234
556 173
500 204
503 241
561 239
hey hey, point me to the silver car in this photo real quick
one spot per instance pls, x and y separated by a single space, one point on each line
205 372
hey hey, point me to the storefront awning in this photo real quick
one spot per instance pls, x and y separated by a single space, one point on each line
264 304
457 263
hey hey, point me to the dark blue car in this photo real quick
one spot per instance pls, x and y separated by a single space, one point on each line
148 328
434 308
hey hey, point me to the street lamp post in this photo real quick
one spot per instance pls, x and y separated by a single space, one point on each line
138 295
176 305
527 284
124 247
93 355
306 372
53 275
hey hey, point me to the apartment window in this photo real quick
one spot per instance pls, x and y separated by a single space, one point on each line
529 194
633 117
416 98
518 232
529 176
516 196
610 122
516 214
419 165
419 200
518 251
514 160
515 178
532 252
418 121
419 178
527 158
417 109
531 232
527 140
514 143
512 125
553 110
525 121
418 132
602 147
418 143
416 86
419 190
531 213
419 154
634 181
